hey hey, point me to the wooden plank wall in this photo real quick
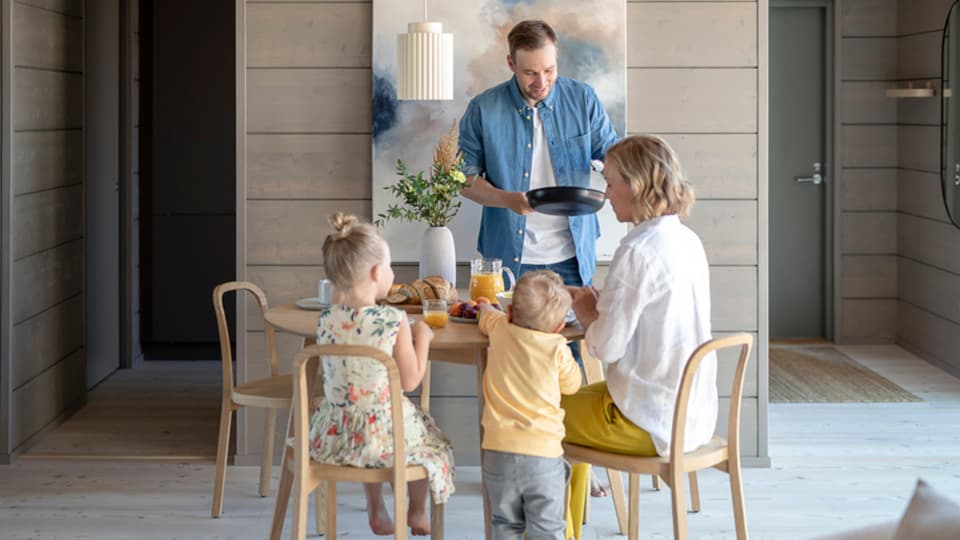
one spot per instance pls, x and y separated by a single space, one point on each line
928 311
47 370
694 76
135 351
868 193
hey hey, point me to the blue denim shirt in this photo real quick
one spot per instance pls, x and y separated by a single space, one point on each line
496 137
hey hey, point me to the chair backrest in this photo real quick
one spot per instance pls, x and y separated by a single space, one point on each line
306 371
226 353
744 341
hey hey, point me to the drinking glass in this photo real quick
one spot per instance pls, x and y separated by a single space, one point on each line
435 313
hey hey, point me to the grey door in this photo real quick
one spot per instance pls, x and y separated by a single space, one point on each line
799 77
102 176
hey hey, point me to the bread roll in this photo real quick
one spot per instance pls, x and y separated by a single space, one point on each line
424 289
442 288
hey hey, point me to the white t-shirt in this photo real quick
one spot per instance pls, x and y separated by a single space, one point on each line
654 312
547 239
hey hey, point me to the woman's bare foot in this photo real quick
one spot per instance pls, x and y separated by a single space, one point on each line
598 488
419 523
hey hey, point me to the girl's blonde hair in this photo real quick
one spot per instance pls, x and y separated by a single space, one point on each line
540 301
350 250
651 169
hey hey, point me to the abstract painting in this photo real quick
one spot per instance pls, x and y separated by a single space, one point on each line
591 38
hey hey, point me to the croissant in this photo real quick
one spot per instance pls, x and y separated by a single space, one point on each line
416 292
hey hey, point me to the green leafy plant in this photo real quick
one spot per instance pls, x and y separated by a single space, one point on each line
435 200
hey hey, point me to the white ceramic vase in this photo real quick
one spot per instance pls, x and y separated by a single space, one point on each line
438 255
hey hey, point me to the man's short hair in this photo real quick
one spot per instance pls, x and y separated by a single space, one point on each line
530 35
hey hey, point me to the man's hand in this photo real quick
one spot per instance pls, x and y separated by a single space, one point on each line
519 203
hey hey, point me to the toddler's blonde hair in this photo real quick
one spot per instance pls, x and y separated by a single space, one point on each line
540 301
651 169
350 250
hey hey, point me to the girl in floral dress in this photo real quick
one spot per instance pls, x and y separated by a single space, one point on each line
352 426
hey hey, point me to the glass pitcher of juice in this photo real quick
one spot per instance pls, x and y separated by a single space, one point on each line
486 278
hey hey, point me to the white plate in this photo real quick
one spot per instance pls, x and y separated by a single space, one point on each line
311 304
570 318
464 320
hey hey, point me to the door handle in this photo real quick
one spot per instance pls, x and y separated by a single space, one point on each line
817 177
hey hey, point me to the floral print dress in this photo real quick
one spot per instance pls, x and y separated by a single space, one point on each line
352 426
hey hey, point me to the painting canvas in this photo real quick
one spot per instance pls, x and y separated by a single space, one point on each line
591 38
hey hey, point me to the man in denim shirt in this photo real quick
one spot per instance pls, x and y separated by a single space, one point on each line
534 130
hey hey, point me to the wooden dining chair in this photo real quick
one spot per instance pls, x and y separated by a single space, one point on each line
272 392
302 476
718 453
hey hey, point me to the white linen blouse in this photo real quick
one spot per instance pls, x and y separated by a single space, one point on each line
654 311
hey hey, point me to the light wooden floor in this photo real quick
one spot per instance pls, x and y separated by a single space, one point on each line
834 467
162 410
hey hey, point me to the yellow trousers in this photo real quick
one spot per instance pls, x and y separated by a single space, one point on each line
593 420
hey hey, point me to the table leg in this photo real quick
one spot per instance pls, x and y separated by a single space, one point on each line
487 517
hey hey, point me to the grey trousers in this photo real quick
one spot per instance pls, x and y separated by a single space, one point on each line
527 494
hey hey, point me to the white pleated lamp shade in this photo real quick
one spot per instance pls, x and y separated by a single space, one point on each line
425 62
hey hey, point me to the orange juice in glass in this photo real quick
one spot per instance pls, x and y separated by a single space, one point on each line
435 313
486 278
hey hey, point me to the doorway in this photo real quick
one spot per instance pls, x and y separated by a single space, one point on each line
188 162
801 161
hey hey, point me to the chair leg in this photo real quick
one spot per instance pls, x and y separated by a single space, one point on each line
619 504
655 480
223 446
694 491
320 498
301 495
679 508
331 509
633 528
283 499
425 390
436 521
266 459
399 512
736 492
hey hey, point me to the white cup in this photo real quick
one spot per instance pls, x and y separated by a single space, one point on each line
325 291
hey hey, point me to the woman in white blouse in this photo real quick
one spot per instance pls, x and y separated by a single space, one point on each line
653 311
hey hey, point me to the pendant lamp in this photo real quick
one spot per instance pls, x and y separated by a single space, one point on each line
425 61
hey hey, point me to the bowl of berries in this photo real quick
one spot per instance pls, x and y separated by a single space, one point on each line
469 311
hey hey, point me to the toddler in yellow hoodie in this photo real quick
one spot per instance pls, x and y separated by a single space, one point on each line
529 366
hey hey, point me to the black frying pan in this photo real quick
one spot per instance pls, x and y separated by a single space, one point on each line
565 200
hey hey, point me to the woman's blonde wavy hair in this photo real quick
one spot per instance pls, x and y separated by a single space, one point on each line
651 169
350 250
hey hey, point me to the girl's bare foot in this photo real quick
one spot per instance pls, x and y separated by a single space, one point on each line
419 523
377 515
380 521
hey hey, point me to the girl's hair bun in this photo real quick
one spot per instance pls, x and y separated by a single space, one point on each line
342 225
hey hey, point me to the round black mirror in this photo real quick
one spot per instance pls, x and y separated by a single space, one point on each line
950 116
